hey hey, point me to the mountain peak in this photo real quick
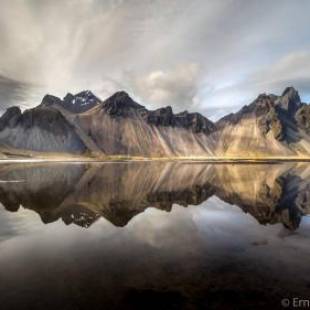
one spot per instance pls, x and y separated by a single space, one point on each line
290 100
121 93
81 102
121 104
122 98
290 90
49 100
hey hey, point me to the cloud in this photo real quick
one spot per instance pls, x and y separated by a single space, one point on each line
164 87
15 93
210 56
291 70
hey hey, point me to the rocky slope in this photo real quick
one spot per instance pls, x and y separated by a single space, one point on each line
117 126
39 129
83 124
270 126
121 126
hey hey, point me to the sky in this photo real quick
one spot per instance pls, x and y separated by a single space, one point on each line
210 56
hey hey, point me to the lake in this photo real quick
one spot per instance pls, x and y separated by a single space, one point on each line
154 235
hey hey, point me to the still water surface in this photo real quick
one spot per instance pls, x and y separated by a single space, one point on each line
153 235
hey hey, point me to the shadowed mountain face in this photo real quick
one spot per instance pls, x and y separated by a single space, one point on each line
83 124
81 194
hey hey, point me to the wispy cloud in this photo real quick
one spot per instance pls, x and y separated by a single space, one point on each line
163 87
150 48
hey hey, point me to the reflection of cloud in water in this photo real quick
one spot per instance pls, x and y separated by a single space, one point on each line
184 250
11 181
145 198
162 230
18 224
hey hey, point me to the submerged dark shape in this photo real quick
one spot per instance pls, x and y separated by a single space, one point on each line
81 194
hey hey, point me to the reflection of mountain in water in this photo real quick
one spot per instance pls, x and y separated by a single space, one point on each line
81 194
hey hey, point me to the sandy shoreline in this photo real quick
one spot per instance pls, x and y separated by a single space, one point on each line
139 159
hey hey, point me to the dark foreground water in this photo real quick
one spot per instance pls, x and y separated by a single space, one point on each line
154 236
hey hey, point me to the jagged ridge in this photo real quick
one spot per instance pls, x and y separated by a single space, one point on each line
271 125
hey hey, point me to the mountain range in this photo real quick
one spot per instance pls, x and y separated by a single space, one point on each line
84 125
